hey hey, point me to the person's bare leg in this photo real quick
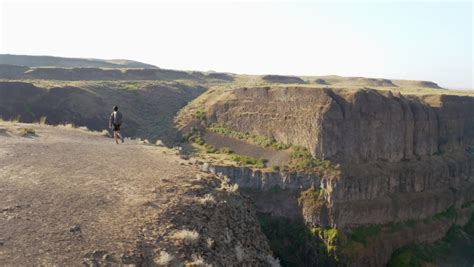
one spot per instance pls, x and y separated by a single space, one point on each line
115 137
119 134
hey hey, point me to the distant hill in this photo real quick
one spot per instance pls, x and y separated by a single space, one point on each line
20 67
64 62
336 80
282 79
14 72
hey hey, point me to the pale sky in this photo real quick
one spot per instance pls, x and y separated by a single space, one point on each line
422 41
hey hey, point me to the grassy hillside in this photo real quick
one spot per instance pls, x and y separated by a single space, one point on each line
64 62
148 107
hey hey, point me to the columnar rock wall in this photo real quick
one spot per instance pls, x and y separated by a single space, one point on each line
351 126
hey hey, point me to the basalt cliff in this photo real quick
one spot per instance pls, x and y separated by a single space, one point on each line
401 165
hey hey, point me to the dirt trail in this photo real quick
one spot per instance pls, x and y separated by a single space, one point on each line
69 197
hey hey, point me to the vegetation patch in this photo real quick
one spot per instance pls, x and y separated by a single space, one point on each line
362 233
418 255
246 160
225 150
186 236
312 198
194 136
26 132
450 213
302 160
259 140
467 204
200 115
294 244
330 235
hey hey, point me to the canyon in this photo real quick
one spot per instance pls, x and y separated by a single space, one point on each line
336 171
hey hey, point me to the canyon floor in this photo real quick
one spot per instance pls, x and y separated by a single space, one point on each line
71 197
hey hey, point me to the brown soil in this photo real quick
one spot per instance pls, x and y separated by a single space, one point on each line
69 197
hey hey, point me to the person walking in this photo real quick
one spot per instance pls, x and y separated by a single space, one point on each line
115 122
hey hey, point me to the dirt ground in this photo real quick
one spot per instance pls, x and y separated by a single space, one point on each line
69 197
273 157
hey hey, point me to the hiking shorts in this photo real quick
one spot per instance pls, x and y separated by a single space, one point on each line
116 127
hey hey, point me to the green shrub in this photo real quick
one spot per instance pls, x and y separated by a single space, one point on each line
225 150
200 114
312 198
361 233
262 140
302 160
210 148
276 168
450 213
467 204
186 136
404 258
329 235
419 254
469 227
246 160
193 136
280 146
198 140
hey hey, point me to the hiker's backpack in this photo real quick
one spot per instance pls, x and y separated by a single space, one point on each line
117 117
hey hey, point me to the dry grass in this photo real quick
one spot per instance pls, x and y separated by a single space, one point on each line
210 243
273 262
66 125
42 120
164 259
239 252
16 119
229 187
186 236
207 199
197 260
26 132
105 133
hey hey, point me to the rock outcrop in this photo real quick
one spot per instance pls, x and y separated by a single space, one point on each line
351 126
